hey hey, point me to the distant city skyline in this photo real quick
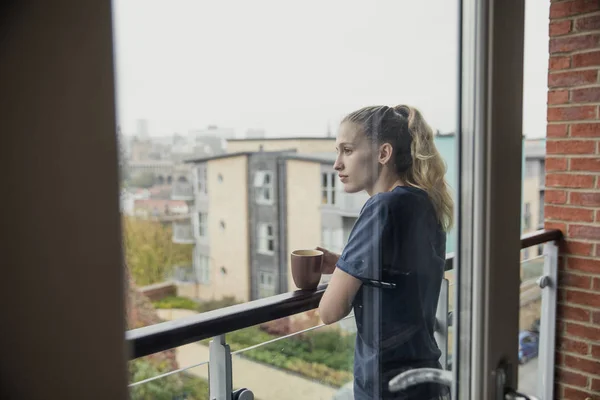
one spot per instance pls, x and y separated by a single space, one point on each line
295 69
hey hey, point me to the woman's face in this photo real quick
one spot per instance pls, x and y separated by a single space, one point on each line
356 161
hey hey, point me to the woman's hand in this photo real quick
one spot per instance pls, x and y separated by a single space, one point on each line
329 260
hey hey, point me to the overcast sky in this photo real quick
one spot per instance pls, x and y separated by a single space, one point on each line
294 68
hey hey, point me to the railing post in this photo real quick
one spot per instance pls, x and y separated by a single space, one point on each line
549 286
219 369
441 332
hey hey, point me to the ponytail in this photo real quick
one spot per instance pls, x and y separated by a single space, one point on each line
428 169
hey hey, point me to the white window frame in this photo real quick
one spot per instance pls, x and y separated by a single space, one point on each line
202 224
266 284
328 188
263 187
202 269
264 238
527 216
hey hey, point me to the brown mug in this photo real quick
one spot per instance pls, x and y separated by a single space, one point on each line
306 268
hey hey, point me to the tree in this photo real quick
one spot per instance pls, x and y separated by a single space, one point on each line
150 252
142 180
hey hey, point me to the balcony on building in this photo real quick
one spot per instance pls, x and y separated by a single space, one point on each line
182 190
183 231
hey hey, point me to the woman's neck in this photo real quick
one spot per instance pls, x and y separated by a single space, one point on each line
385 184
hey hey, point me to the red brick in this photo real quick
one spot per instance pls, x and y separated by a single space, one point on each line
568 8
559 130
596 284
596 351
596 317
586 95
584 264
556 63
583 298
584 232
590 23
582 331
572 43
555 225
596 385
567 279
558 28
576 248
575 314
570 393
568 214
590 199
571 378
572 78
570 146
555 196
590 59
569 180
558 97
585 130
571 113
556 164
582 364
585 164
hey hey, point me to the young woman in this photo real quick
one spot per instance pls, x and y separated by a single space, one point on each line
390 271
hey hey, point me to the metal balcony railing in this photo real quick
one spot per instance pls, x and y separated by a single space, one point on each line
183 232
182 191
216 324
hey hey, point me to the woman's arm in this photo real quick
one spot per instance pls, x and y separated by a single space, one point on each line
337 300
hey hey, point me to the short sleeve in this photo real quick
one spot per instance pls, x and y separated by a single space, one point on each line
362 255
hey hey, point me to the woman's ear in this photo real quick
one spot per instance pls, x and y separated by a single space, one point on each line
385 153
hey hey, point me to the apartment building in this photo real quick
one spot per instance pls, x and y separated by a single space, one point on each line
250 208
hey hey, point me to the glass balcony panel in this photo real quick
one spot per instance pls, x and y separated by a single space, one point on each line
179 374
313 363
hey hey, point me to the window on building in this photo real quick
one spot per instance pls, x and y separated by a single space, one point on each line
202 182
263 187
332 239
266 239
531 168
202 269
328 188
266 284
541 210
527 217
202 224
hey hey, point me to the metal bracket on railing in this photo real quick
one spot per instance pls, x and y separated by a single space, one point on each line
543 281
243 394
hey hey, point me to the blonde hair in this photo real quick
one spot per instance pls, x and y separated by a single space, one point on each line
417 160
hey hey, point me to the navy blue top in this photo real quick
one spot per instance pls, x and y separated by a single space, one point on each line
396 239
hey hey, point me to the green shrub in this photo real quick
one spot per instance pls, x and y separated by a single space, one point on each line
176 302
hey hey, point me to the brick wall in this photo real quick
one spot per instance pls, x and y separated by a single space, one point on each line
573 191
